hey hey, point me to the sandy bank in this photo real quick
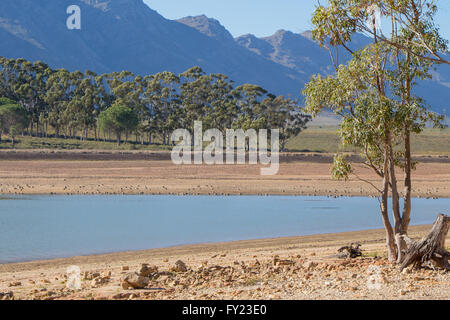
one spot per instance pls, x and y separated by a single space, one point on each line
310 176
236 270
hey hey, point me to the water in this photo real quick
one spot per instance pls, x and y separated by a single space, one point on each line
45 227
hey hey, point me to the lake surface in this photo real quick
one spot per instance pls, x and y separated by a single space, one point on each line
45 227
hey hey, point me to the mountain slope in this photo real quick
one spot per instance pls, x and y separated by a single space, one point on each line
127 34
301 54
208 26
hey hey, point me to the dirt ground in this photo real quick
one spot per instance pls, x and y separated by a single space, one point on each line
285 268
309 175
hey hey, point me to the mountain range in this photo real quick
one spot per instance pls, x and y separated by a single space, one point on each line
120 35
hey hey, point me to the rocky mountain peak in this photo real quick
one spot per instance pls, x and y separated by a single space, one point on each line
208 26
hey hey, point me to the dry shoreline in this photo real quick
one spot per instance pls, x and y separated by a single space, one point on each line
372 238
90 173
308 269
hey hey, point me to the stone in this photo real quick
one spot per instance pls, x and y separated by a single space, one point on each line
147 270
7 295
134 281
309 265
15 284
98 281
180 266
91 275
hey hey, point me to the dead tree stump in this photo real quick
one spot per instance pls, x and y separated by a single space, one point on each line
353 251
431 248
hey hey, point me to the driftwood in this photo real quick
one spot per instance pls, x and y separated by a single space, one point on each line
431 248
353 251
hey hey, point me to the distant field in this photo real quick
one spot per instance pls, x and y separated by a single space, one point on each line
314 139
75 144
325 139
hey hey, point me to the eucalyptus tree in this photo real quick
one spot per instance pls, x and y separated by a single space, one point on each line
4 101
163 103
368 121
286 115
13 120
58 95
249 99
28 87
8 77
194 95
127 90
118 119
373 92
223 102
81 109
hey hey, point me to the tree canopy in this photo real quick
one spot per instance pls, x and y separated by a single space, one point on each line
13 118
118 119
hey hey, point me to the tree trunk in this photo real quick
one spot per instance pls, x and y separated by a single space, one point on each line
401 230
283 146
399 241
406 216
384 207
431 248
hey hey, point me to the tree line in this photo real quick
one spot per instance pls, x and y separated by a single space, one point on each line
60 103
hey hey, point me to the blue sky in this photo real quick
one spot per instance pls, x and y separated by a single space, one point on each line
260 17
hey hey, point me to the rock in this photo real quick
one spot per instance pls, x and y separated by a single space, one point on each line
275 260
7 295
146 270
125 268
180 266
406 271
284 263
309 265
15 284
91 275
120 296
98 281
134 281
